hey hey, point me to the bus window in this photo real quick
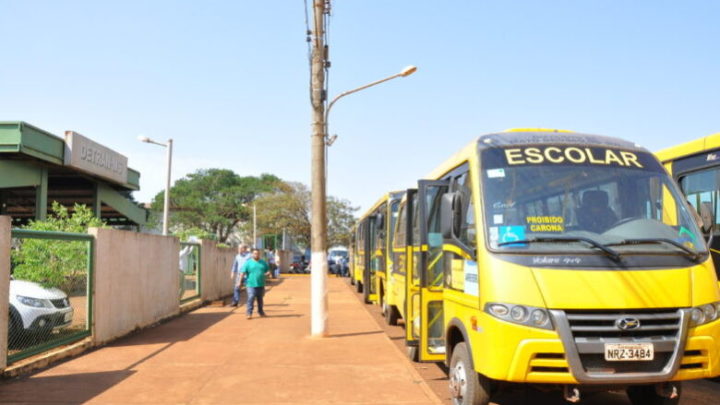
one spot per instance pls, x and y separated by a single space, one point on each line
607 205
701 187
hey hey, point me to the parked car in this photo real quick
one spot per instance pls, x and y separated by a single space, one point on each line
338 260
36 309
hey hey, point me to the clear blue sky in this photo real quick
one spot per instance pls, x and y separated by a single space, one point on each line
228 80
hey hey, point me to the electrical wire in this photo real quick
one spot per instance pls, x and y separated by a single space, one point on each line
308 40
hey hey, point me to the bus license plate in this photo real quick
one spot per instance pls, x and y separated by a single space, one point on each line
629 352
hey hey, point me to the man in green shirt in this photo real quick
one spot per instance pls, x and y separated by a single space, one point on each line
255 271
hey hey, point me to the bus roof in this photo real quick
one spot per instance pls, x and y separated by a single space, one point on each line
392 195
689 148
530 137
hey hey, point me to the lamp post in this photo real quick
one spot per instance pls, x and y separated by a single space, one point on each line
166 205
319 300
403 73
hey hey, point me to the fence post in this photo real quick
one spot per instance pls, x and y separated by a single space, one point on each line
5 241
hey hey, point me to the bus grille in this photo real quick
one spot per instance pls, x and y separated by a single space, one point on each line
591 330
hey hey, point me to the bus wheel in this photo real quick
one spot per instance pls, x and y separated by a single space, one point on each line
412 353
467 387
648 395
391 314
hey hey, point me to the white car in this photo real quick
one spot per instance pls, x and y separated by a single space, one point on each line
34 308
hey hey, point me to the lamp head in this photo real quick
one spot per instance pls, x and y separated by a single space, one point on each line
142 138
331 140
408 71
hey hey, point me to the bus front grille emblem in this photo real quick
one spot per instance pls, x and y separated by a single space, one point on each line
627 323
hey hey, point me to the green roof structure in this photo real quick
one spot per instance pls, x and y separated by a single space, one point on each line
37 168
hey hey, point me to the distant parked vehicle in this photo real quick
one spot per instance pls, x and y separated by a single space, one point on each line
35 309
338 260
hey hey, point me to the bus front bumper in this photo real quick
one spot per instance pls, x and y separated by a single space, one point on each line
530 355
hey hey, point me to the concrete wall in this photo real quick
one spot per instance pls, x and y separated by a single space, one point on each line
136 281
216 263
5 240
285 257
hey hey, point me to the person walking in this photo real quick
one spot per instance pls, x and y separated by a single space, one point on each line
276 256
255 269
270 259
235 275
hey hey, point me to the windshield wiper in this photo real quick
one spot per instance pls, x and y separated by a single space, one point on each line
564 239
693 255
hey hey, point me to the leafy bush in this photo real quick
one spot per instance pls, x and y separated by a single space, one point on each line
56 263
185 234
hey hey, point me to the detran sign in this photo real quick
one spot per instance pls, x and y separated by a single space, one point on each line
91 157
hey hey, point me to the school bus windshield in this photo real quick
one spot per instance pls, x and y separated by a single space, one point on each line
586 197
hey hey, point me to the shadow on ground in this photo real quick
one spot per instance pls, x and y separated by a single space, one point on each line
62 388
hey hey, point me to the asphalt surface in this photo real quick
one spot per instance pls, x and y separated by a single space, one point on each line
699 392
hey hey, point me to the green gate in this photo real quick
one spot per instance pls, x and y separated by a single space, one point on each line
50 291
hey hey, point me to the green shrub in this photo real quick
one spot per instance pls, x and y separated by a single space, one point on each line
56 263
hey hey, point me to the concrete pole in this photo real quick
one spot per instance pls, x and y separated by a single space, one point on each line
166 207
318 301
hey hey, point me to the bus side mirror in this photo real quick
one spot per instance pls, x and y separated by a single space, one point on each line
450 212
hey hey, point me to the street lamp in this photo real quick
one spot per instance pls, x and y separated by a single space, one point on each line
403 73
318 302
166 205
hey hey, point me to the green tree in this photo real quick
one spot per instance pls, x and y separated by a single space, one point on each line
290 209
215 200
56 263
287 209
341 218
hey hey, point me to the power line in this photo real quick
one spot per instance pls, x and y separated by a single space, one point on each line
308 40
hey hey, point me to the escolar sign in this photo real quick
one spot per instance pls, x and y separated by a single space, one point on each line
572 155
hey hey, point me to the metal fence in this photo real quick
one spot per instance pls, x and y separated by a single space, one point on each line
50 291
190 271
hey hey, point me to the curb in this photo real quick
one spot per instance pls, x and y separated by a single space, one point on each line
419 380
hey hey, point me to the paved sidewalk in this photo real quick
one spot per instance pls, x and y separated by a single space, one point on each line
216 356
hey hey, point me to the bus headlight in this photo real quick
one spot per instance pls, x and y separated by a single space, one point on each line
520 314
704 314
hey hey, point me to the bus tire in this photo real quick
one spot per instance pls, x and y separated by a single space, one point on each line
412 353
646 395
467 387
391 314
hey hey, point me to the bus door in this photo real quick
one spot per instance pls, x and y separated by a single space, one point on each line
369 273
432 326
412 275
702 189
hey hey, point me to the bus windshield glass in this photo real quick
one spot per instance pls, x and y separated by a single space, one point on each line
579 199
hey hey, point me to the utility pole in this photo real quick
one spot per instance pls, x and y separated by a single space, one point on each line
318 301
255 243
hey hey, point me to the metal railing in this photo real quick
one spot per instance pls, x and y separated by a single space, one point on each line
50 291
190 271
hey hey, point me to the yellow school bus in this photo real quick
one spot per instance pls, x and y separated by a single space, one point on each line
695 166
559 259
372 239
